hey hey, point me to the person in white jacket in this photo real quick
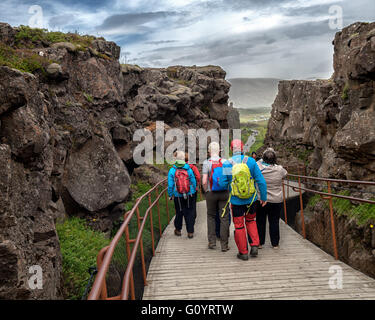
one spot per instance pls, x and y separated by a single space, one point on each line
273 174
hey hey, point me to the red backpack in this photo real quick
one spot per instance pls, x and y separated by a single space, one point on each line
182 181
196 174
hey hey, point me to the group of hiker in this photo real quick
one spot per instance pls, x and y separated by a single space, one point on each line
241 189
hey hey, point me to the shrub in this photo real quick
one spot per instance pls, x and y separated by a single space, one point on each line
89 98
79 248
345 92
29 37
24 60
362 213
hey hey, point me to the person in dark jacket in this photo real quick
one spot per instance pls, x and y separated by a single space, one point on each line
183 202
197 176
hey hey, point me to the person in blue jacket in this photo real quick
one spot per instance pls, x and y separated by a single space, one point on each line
183 202
243 215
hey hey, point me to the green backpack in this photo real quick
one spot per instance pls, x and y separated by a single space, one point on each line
242 184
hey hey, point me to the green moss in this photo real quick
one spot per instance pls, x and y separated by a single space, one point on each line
172 72
88 97
304 155
205 109
185 83
362 213
29 37
103 56
24 60
79 248
345 92
313 201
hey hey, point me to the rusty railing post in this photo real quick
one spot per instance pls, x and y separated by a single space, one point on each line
144 274
99 262
166 206
151 226
301 205
285 214
332 222
158 206
127 241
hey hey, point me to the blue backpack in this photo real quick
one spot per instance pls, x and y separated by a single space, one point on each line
215 175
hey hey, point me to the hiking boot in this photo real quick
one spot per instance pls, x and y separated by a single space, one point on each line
276 247
211 246
254 251
190 235
177 233
242 256
225 249
260 247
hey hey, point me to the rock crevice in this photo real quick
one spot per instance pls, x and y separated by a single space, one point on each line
66 140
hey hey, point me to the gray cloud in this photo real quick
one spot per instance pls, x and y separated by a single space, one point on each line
161 42
61 20
134 19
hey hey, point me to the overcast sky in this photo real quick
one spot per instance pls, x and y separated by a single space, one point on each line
249 38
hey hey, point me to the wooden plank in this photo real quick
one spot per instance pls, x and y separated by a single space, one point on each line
186 269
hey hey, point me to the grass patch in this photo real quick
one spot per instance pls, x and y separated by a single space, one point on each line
30 37
185 83
255 114
261 127
88 97
24 60
79 248
345 92
362 213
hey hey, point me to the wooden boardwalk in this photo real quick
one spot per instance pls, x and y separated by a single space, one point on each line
185 269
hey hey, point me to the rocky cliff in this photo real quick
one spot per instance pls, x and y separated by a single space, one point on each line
68 111
330 124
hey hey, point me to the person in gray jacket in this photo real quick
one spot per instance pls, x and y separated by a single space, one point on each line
273 174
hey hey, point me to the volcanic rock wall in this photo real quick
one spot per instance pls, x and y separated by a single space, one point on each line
330 124
66 142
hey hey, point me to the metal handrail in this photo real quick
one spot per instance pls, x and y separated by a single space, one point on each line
333 180
105 256
296 189
128 272
326 196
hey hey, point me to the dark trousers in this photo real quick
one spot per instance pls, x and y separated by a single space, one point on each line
272 210
217 221
194 203
216 202
184 209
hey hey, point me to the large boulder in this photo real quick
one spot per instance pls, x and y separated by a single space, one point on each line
95 176
16 88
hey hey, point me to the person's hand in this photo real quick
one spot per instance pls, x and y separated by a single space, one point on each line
263 203
170 198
